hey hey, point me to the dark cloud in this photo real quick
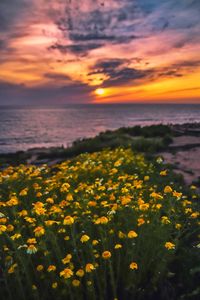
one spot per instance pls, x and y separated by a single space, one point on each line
170 73
99 24
72 92
57 76
125 76
178 69
2 44
89 25
123 23
187 64
11 11
81 49
91 37
118 72
107 66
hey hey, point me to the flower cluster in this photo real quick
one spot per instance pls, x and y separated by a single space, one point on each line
69 228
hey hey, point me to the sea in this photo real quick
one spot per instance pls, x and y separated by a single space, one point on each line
26 127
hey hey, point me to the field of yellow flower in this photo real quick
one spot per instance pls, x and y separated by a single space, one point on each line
108 225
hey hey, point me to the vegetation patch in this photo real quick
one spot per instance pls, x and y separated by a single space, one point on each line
106 225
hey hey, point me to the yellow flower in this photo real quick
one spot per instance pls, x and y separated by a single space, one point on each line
168 189
23 213
169 245
92 203
68 220
15 236
40 268
23 192
84 238
193 187
34 287
31 241
39 231
133 266
178 226
2 228
165 220
39 194
80 273
13 201
29 220
132 234
67 259
54 285
163 173
10 227
102 220
125 200
177 194
156 196
141 221
65 187
95 242
194 215
12 269
31 249
112 197
38 208
69 197
144 206
50 200
51 222
158 206
2 220
118 246
89 268
66 273
51 268
75 282
121 235
106 254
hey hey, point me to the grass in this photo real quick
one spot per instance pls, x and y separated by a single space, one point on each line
107 225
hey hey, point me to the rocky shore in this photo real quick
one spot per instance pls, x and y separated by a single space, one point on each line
179 145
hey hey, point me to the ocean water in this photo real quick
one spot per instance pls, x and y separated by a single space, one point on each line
26 127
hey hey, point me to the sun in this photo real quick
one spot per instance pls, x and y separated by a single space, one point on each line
100 91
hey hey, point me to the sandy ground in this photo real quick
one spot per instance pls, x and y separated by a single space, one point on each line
186 161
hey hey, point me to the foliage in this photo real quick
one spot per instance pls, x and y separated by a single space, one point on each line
107 225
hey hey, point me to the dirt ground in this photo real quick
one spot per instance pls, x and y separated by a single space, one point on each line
184 153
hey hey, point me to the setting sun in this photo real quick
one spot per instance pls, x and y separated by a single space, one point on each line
100 92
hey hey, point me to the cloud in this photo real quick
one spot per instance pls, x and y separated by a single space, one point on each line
125 76
2 44
107 66
94 42
72 92
12 11
118 73
77 49
57 76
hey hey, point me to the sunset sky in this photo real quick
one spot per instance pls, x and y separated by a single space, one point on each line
99 51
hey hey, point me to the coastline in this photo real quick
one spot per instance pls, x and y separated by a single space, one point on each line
178 145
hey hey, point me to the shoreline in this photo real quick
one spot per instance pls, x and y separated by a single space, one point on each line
178 144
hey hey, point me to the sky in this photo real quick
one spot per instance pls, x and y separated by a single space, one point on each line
99 51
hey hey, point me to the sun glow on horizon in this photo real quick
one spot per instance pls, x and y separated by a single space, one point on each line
100 91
